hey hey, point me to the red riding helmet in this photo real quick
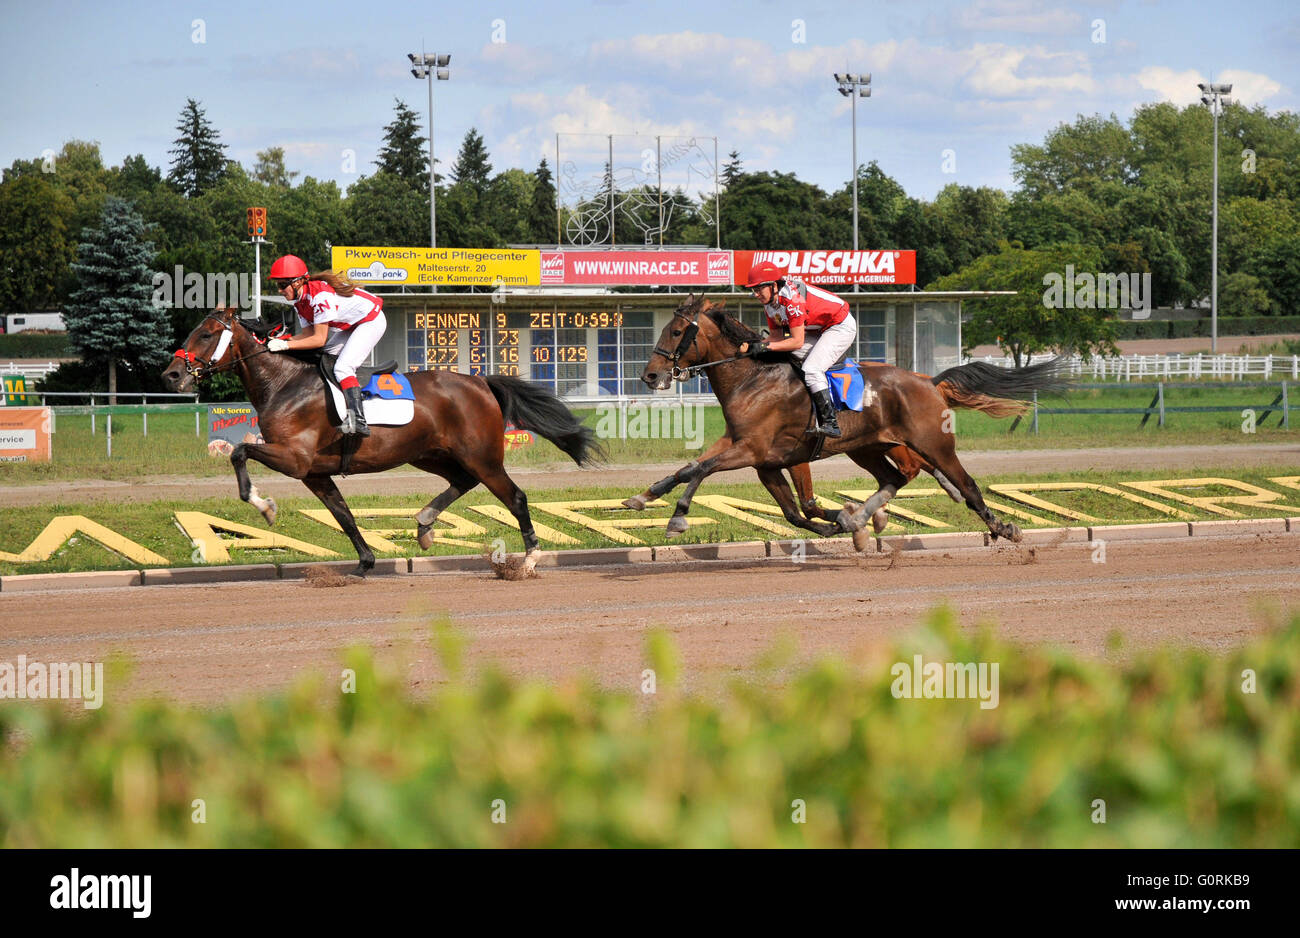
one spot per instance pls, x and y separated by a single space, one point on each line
763 272
288 267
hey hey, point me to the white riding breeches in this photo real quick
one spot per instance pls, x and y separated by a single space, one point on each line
353 346
823 349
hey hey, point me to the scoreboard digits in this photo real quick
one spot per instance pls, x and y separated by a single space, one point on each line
499 342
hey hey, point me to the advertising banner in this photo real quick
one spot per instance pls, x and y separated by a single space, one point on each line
631 268
25 434
232 423
457 267
830 268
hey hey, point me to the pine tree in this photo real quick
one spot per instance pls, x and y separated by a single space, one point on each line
111 316
731 170
403 153
541 210
472 166
198 157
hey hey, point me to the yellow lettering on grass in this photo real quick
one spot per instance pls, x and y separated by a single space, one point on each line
58 531
544 533
377 538
612 529
726 505
1256 498
202 529
1018 492
1291 482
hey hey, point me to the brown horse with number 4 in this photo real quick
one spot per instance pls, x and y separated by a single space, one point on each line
900 431
457 430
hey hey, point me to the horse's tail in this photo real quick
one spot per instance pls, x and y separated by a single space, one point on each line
997 391
530 407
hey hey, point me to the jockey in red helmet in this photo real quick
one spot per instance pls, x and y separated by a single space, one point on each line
816 326
334 315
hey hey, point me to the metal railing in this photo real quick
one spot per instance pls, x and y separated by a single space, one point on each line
1193 367
1281 404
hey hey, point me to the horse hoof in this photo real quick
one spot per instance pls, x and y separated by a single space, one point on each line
1012 534
879 520
861 540
676 525
636 503
530 560
270 512
848 519
424 536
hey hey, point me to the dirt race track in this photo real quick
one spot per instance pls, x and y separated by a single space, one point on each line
207 643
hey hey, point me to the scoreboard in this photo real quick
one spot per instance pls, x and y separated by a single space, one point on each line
583 351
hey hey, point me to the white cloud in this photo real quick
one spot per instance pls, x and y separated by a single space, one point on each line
1180 87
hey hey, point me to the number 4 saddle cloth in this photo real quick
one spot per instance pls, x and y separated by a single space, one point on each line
387 397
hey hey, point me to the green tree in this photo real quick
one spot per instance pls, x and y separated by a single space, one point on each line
36 248
1277 265
472 167
270 169
134 180
1026 323
198 156
385 209
111 317
1240 294
403 154
767 210
507 202
541 207
732 169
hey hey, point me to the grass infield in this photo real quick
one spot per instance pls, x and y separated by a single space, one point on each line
154 526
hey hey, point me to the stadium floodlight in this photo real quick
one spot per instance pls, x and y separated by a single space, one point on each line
849 84
1213 96
427 66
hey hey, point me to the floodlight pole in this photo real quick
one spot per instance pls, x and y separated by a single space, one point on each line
1213 95
854 86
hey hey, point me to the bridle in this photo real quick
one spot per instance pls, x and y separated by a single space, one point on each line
688 338
198 368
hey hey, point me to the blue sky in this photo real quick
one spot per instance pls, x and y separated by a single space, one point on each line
320 78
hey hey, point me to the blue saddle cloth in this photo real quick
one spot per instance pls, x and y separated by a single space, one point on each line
389 387
846 386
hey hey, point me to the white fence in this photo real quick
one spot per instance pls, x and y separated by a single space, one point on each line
1194 367
34 371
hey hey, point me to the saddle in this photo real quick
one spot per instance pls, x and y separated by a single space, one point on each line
364 374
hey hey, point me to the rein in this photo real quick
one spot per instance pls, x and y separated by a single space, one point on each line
206 369
688 337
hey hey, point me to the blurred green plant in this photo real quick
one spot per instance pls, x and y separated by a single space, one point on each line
1182 754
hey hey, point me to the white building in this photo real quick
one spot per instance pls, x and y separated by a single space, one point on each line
21 322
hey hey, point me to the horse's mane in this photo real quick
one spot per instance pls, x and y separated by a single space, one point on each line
733 330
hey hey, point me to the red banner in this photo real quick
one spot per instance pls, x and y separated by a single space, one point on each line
626 268
834 267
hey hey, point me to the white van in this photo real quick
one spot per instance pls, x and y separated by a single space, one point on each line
21 322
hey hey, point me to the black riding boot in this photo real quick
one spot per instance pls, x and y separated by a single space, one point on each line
354 424
827 425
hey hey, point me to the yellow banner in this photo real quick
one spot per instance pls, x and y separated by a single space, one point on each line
457 267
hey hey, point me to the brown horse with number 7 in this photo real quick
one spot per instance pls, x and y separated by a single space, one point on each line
768 411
